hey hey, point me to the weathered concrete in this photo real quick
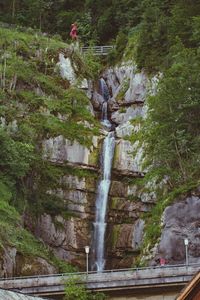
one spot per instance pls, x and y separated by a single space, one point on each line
130 282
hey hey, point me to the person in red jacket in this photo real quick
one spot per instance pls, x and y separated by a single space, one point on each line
73 32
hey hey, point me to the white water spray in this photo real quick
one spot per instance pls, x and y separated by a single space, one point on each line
104 116
102 199
104 89
103 186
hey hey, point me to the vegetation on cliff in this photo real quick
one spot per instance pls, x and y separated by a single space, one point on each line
161 37
36 104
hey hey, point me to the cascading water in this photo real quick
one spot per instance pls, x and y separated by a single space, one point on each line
104 109
103 189
104 89
101 201
104 115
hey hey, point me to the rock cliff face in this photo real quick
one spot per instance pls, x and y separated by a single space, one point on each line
13 263
67 237
68 232
125 226
181 221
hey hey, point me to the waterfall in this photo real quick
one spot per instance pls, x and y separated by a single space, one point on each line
104 115
104 110
104 91
103 186
101 201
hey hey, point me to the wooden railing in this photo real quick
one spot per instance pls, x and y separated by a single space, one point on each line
98 50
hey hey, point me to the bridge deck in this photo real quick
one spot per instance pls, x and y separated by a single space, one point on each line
129 279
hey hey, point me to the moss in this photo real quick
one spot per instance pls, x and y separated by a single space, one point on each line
115 235
122 110
123 90
114 202
116 155
79 172
94 157
134 198
91 183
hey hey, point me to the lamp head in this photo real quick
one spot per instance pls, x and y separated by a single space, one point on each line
87 249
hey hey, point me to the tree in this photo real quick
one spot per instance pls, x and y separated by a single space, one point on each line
74 289
173 127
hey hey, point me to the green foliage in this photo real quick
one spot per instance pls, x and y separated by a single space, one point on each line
35 105
170 124
116 54
115 235
121 94
85 30
130 51
15 157
74 289
170 135
93 64
111 17
97 20
162 23
87 67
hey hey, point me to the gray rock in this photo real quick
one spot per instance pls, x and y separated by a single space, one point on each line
112 105
60 150
7 295
125 129
138 234
57 236
66 69
125 236
127 114
65 237
137 88
180 221
73 182
97 100
126 159
9 261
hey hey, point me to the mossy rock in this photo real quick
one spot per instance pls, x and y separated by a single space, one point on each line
115 235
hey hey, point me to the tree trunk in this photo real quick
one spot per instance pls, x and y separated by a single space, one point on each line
13 9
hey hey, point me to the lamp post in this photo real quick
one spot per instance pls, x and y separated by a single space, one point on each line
87 250
186 242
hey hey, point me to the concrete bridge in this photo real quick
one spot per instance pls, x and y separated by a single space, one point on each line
98 50
155 282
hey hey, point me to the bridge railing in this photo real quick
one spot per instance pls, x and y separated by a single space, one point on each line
114 271
98 50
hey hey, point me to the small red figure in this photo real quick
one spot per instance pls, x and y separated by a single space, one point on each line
73 32
162 262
